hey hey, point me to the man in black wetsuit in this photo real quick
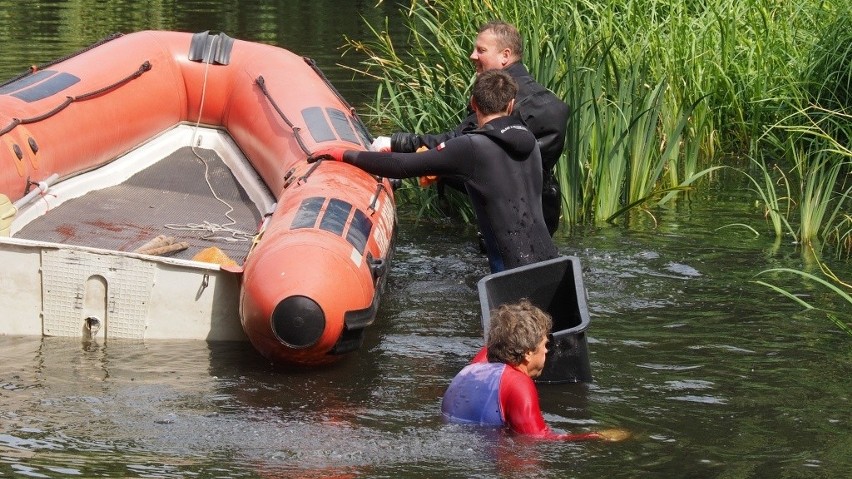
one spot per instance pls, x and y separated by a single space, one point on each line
500 165
499 47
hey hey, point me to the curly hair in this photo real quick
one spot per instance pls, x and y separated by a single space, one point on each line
516 329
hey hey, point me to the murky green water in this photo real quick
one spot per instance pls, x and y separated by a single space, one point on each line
40 31
714 375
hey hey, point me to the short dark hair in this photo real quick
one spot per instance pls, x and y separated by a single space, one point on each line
516 329
507 36
493 90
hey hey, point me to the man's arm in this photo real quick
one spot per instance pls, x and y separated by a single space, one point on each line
436 161
410 142
519 400
546 116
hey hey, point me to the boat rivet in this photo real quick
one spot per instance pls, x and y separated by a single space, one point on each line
18 152
33 144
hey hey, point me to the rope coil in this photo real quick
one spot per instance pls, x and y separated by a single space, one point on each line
233 235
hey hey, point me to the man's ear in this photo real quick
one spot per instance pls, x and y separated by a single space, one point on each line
511 107
506 55
473 105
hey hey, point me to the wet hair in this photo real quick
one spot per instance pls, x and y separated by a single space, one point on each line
493 90
516 329
507 36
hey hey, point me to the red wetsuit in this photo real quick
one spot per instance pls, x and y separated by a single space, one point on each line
471 398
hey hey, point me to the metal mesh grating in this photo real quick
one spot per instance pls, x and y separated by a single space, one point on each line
170 192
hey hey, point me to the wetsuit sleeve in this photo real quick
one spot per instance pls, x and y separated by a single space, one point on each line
443 161
433 140
519 401
546 116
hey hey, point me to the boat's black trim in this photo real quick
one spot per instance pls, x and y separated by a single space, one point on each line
206 48
306 216
261 83
359 230
298 322
146 66
341 126
335 216
356 322
318 127
362 128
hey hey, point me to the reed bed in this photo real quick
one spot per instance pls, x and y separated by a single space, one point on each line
663 93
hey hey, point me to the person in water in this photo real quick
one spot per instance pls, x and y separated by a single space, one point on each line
497 388
499 46
500 165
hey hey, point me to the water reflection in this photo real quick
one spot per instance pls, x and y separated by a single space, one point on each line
37 32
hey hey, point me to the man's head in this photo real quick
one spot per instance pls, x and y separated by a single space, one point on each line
517 335
498 45
494 92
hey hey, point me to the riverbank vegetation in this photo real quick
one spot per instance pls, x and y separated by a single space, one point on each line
827 283
663 93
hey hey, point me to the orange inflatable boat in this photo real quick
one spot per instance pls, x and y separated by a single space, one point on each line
156 185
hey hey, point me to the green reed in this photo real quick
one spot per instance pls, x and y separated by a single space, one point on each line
777 208
660 91
816 140
819 166
427 95
831 283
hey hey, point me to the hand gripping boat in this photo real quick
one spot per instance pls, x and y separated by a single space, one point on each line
156 185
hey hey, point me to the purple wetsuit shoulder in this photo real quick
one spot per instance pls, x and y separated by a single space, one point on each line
473 396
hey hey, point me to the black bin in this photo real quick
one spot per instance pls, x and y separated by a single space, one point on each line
555 286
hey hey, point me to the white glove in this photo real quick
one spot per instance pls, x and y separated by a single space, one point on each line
381 143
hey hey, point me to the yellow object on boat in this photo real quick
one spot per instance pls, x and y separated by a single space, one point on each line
7 214
214 255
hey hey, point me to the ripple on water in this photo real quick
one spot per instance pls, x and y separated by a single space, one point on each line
683 270
685 384
667 367
699 399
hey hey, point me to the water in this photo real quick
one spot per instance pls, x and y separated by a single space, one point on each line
37 32
714 375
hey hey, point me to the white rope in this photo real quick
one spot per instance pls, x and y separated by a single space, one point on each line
235 235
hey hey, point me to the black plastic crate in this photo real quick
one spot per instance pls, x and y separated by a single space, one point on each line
555 286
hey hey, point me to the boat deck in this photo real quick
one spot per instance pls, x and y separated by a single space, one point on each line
174 197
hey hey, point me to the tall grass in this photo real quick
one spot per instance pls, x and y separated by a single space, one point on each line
808 192
661 92
831 283
777 208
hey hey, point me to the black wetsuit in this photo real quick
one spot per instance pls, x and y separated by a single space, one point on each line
542 112
500 165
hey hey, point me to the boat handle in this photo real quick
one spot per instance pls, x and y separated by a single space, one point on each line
379 187
41 188
377 267
309 172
